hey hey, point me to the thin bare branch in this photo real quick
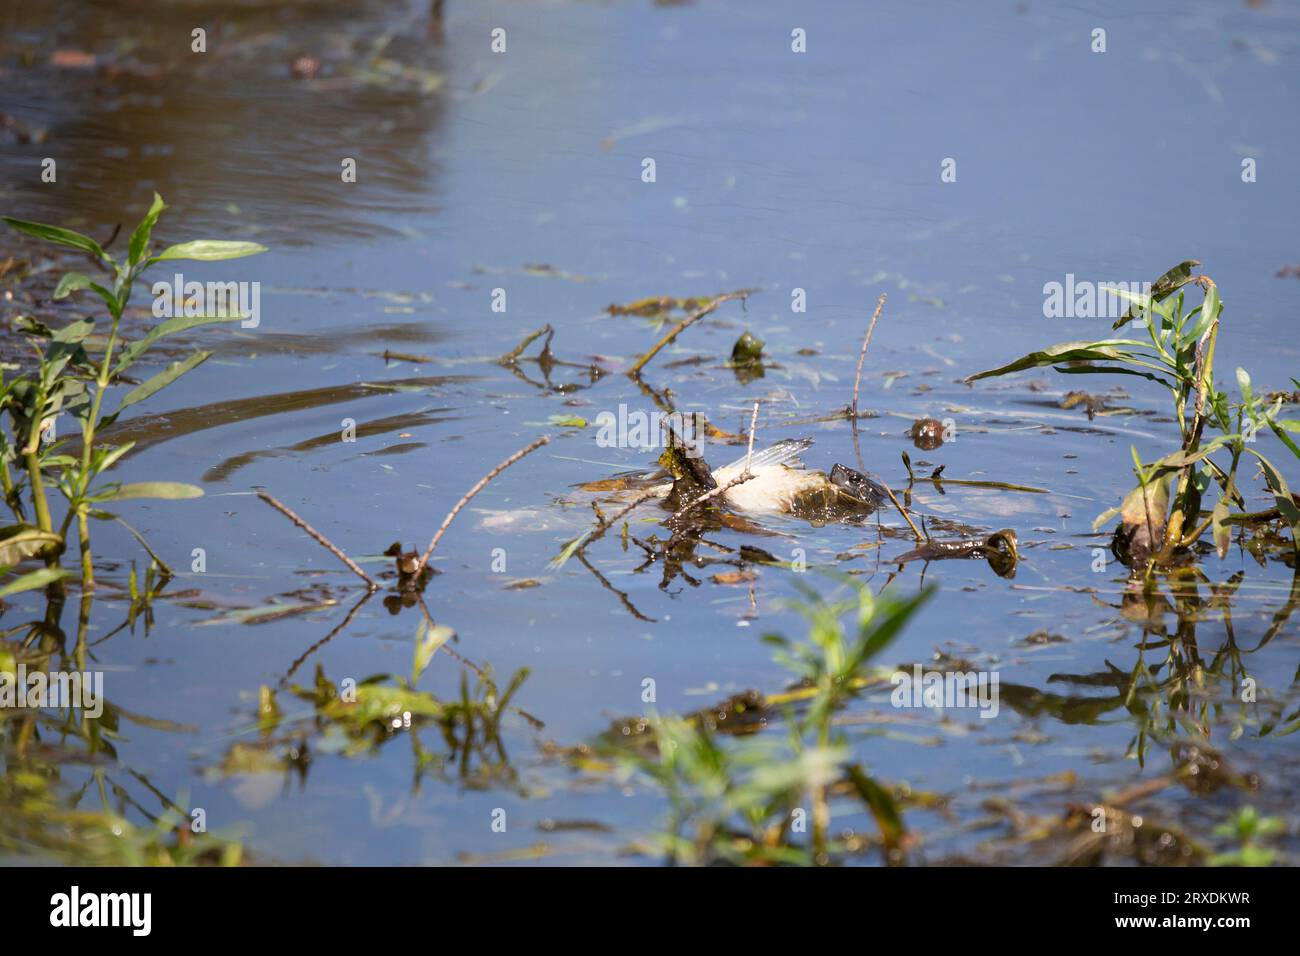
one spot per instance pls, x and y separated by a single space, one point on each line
451 515
319 538
682 326
862 355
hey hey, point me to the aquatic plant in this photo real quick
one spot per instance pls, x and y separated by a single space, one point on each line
68 378
1163 516
1248 829
357 718
751 800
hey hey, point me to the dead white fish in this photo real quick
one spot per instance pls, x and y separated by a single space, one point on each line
781 483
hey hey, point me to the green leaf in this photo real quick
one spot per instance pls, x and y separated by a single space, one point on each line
569 550
112 455
1104 517
208 250
888 622
1181 459
1286 505
567 421
1112 370
168 490
160 381
881 804
1066 352
1243 383
131 354
1209 312
33 580
140 238
64 237
1280 429
428 638
75 282
74 332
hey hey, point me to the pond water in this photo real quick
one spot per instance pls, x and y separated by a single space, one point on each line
774 171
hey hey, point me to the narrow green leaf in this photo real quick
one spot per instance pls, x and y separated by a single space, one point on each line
1105 516
882 805
32 580
167 490
1286 505
1066 352
75 282
140 238
1243 383
568 551
1280 429
428 638
74 332
131 354
64 237
160 381
1209 312
1181 459
209 250
112 456
1112 370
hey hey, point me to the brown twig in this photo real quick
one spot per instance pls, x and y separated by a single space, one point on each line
319 538
753 425
682 326
901 510
862 355
853 414
482 483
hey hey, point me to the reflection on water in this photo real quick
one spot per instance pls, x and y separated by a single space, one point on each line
244 131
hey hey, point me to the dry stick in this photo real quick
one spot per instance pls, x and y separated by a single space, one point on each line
451 515
853 415
679 328
319 538
901 510
862 355
753 424
738 480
